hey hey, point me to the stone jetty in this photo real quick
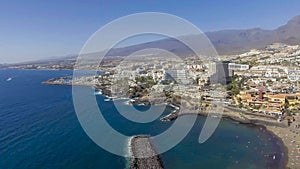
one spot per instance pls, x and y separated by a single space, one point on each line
143 155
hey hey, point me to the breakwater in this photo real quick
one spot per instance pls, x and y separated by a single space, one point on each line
143 154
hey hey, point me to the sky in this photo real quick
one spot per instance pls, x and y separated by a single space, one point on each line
38 29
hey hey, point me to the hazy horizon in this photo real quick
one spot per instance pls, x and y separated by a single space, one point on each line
34 30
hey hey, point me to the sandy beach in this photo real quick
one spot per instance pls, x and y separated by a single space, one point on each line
289 135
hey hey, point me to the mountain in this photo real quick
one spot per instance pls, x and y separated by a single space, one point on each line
289 33
237 41
225 42
228 41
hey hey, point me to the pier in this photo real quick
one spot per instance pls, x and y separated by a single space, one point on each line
143 155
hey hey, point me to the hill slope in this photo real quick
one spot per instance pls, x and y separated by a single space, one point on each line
229 41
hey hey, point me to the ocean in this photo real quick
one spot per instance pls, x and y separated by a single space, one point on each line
39 129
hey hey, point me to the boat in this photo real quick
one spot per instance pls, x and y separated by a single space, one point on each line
215 116
98 92
9 79
111 97
107 100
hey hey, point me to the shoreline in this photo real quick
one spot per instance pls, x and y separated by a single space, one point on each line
37 69
284 147
267 123
266 128
271 129
288 139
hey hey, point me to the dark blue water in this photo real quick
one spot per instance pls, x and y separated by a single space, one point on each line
39 129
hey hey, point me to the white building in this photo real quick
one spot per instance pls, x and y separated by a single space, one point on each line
294 75
234 66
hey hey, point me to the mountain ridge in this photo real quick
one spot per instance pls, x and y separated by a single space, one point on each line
226 42
230 41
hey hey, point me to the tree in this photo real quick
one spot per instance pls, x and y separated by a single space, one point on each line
234 86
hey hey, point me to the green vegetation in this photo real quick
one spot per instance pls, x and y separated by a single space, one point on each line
235 86
147 81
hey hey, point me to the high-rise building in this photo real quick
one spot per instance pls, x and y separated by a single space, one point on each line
179 76
220 73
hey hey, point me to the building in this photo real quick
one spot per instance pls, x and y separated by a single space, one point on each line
179 76
220 73
276 98
234 66
294 75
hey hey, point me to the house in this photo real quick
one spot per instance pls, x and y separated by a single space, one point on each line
276 98
292 99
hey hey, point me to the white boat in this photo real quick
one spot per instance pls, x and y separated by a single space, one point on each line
215 116
98 92
111 97
9 79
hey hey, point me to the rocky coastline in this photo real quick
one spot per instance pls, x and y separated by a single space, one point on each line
143 154
278 129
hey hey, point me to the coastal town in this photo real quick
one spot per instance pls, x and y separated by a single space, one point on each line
150 84
262 81
257 87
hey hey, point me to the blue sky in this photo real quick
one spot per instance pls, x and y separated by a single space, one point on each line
36 29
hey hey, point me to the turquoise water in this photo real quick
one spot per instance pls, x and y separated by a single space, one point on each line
39 129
